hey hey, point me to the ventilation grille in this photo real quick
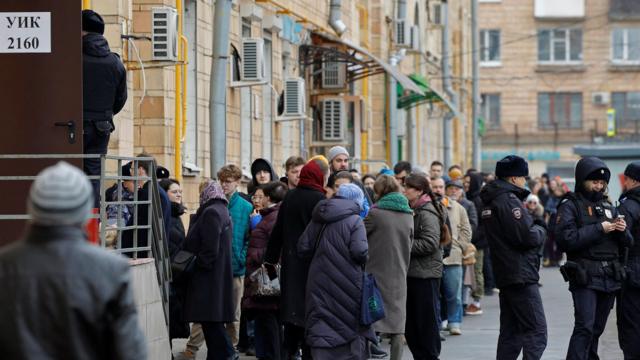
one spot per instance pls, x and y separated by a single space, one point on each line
333 73
164 33
332 119
252 59
294 96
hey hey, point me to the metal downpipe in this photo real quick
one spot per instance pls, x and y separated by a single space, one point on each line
335 17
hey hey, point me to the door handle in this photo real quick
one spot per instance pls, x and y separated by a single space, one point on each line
71 130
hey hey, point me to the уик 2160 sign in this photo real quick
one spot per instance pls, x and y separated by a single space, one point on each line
25 32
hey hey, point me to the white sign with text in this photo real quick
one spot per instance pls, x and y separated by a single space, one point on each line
25 32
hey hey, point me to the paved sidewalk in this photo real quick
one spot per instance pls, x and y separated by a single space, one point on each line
480 333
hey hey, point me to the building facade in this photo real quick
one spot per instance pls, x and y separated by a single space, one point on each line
381 40
557 74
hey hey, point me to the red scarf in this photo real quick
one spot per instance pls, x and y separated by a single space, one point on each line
312 177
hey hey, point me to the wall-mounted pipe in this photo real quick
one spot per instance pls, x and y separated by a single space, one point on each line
178 99
335 17
447 130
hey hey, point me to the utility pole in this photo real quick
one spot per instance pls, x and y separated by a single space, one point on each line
218 86
475 87
448 88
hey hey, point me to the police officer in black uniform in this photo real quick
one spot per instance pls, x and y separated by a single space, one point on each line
104 91
590 232
514 239
628 304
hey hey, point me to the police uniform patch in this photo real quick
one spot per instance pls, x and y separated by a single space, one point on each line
486 213
607 212
517 213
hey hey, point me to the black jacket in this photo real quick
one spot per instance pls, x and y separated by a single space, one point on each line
63 298
513 238
478 238
177 232
630 208
293 218
104 79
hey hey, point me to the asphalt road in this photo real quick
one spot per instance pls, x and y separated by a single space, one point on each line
480 333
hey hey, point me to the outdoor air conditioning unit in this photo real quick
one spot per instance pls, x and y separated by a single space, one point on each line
600 98
333 119
294 97
164 33
334 73
403 33
252 68
415 38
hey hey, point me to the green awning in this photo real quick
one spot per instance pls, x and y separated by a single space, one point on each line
411 99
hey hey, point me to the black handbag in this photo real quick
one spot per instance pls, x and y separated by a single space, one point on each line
183 262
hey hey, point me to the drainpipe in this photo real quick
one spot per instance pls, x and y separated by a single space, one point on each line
475 39
86 4
393 115
218 86
335 17
448 88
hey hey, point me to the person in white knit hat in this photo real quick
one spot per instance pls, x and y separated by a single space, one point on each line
64 298
338 159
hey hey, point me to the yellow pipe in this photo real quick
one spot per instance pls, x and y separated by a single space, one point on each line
86 4
185 61
178 100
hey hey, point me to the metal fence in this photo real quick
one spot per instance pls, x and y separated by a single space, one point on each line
111 213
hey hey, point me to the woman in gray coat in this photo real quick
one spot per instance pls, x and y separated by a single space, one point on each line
336 241
425 270
390 234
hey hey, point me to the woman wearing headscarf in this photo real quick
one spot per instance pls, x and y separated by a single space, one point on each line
589 230
293 217
336 243
390 234
425 270
210 282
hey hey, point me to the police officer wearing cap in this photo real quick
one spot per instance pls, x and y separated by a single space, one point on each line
589 230
514 239
628 304
104 91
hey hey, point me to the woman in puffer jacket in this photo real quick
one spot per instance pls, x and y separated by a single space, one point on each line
336 240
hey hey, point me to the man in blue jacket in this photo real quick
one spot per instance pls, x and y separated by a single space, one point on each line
514 239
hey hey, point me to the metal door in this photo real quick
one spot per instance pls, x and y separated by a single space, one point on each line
40 103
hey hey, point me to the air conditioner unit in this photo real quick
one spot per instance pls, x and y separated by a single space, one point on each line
437 17
334 72
403 33
164 33
294 97
415 38
252 68
600 98
333 119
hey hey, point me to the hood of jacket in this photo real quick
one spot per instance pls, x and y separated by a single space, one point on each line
499 187
475 185
588 165
95 45
254 169
334 209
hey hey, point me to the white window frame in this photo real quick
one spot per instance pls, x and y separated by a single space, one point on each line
485 33
567 47
485 107
625 47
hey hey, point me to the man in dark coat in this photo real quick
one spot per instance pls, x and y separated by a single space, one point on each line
293 218
104 91
209 285
628 303
63 298
479 240
514 239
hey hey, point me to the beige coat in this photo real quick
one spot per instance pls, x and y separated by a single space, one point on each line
390 234
460 231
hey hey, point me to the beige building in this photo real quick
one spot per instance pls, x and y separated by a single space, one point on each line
551 72
346 97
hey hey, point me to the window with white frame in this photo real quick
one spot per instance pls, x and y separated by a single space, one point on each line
625 45
560 45
560 109
627 106
490 110
490 46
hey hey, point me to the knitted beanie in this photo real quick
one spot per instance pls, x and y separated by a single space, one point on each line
335 151
60 195
352 192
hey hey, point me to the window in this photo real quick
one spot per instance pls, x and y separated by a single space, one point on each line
490 46
625 45
490 110
560 46
627 105
561 109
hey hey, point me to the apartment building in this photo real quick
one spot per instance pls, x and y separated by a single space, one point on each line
338 81
556 76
